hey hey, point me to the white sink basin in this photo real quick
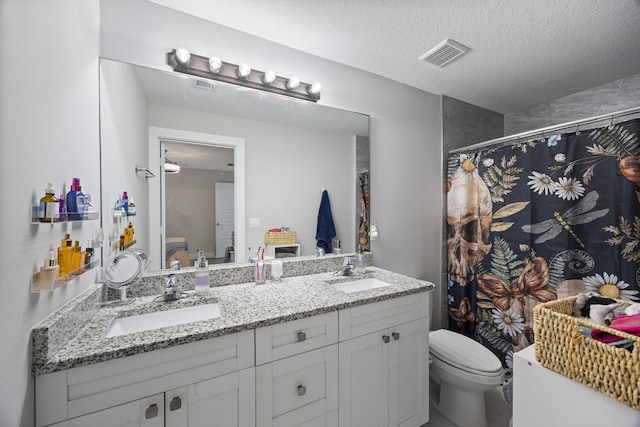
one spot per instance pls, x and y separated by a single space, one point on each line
360 285
162 319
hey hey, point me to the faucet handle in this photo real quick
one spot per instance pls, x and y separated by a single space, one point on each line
347 260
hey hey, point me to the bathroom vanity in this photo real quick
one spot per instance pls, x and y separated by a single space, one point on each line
307 351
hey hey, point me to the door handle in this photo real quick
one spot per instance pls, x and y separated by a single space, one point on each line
396 335
302 336
175 404
385 339
302 390
151 412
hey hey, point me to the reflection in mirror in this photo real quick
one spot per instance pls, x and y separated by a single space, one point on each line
291 151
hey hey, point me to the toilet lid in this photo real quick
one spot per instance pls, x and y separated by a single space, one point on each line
463 352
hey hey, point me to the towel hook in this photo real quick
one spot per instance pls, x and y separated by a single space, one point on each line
147 173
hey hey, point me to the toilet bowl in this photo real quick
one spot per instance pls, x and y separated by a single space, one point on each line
463 370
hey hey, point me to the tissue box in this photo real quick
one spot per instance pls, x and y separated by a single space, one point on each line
562 348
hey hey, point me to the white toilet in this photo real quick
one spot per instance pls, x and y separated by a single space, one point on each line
462 369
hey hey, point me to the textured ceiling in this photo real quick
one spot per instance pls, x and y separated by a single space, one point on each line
522 53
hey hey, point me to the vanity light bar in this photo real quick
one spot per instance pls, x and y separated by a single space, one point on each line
182 61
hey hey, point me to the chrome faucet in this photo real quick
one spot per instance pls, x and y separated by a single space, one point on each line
347 267
171 291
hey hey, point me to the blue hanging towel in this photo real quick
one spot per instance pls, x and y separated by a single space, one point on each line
325 230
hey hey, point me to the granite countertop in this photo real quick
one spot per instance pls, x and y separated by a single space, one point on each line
244 307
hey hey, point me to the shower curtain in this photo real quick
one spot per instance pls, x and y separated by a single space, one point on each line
539 220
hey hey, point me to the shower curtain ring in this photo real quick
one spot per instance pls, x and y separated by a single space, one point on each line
578 129
610 127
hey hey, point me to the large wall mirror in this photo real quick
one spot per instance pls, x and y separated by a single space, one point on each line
249 161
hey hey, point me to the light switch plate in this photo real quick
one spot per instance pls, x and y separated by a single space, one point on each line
254 222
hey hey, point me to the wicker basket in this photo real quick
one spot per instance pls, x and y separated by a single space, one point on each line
280 238
562 348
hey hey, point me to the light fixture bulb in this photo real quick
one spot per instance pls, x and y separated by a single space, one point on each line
293 83
183 55
215 64
269 77
244 70
314 89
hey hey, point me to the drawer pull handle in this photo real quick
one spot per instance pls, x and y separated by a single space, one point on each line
302 390
396 335
302 336
151 412
386 339
175 404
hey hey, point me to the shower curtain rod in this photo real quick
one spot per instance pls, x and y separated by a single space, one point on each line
545 131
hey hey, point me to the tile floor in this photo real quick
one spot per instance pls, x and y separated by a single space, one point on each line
498 412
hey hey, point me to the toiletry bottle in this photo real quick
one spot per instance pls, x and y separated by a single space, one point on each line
202 274
131 233
61 208
132 207
48 211
360 262
65 252
125 202
49 273
89 258
75 201
77 259
338 249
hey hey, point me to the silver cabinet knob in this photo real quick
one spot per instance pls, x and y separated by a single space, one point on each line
396 335
302 336
175 404
385 339
151 412
302 390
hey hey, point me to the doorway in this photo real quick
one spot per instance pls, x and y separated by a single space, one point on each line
184 202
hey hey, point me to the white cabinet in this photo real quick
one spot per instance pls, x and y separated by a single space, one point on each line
148 412
218 374
297 373
384 375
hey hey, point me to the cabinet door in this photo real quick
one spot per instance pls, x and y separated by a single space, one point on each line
148 412
409 374
363 380
227 401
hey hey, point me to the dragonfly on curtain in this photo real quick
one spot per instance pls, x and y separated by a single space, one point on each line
578 214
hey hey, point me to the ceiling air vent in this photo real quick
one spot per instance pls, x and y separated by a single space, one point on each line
443 53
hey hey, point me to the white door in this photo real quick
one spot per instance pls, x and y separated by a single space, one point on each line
225 216
409 374
148 412
364 381
228 400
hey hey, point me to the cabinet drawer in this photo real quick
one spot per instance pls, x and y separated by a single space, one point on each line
364 319
308 380
289 338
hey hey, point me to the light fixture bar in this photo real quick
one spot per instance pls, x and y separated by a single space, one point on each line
199 66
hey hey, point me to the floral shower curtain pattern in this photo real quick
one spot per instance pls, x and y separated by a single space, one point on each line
539 220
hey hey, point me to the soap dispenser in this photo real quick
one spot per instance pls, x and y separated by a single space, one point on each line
360 262
202 274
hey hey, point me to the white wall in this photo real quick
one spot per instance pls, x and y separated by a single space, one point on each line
406 155
48 132
124 136
286 169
